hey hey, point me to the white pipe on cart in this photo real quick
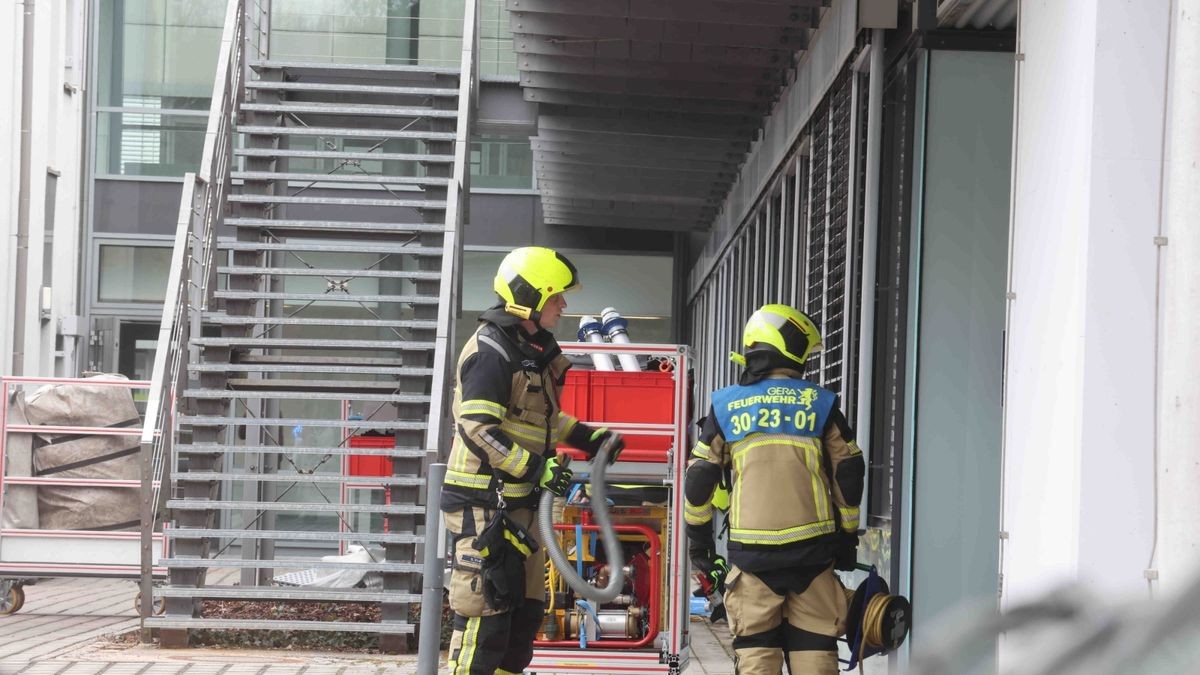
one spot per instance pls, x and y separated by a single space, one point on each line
615 330
589 331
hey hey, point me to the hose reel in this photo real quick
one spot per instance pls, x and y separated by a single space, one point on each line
876 621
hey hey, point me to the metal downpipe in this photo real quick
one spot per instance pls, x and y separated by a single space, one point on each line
429 646
21 282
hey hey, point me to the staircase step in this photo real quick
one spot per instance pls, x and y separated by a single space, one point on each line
348 389
349 88
340 273
291 563
216 448
209 505
340 155
269 593
369 179
294 535
209 476
311 343
279 359
387 627
322 67
328 297
305 368
220 421
335 227
356 247
342 109
304 395
226 320
426 204
345 132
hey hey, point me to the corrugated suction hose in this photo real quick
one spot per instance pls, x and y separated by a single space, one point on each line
612 545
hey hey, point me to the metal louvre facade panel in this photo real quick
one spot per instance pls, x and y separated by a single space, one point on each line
799 245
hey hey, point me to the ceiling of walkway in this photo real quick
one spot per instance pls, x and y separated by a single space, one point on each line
647 108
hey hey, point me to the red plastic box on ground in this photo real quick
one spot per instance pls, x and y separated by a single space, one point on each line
371 465
622 397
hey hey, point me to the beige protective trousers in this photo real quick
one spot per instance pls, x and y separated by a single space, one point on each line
487 641
767 626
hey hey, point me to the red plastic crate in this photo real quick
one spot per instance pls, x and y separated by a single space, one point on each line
619 396
575 397
371 465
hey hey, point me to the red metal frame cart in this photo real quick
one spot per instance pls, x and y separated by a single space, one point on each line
649 632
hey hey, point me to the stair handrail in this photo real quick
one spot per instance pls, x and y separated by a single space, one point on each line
457 212
192 276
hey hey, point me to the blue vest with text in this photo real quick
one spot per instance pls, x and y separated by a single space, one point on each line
782 406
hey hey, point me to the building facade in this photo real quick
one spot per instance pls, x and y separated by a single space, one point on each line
983 204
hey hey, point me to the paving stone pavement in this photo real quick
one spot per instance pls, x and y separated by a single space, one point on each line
59 631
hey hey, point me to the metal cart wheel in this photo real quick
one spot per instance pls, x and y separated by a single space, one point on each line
160 605
12 600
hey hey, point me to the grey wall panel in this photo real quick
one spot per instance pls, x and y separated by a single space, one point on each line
136 207
960 354
504 102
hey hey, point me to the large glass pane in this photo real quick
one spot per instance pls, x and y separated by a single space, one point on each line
501 162
159 53
133 273
148 144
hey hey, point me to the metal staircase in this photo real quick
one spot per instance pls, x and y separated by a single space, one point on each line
325 309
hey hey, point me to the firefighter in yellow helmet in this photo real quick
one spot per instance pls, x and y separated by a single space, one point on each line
797 479
507 425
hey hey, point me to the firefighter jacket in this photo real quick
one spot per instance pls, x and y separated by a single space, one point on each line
506 414
797 475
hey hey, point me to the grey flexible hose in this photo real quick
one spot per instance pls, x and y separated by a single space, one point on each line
612 545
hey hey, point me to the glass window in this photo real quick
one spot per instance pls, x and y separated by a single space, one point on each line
133 273
148 144
501 162
159 53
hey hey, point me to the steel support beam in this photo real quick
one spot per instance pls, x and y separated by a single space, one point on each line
650 143
762 92
653 51
607 100
613 205
694 151
629 223
764 14
636 181
661 128
676 192
645 70
793 37
589 171
559 160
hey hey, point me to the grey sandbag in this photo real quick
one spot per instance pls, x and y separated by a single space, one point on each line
20 501
86 456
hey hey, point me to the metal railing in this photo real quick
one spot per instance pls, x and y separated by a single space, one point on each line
192 276
457 212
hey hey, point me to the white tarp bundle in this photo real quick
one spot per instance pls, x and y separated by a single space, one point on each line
85 456
20 501
338 578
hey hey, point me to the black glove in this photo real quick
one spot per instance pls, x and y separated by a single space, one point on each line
845 552
589 440
556 477
714 567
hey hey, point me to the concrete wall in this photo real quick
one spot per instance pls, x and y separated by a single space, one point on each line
1079 399
58 107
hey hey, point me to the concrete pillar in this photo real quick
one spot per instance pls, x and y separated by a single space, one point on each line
1179 358
1080 381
